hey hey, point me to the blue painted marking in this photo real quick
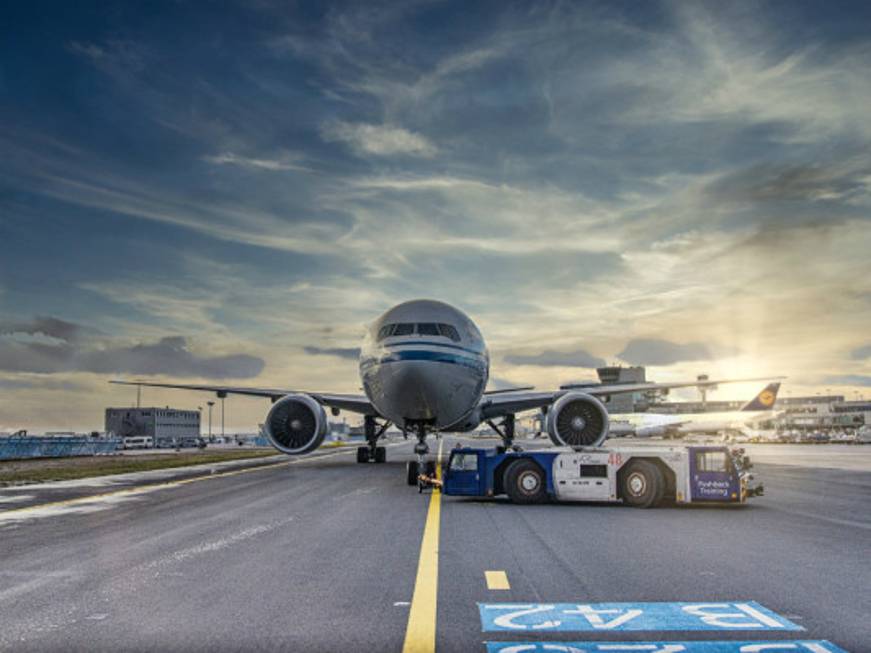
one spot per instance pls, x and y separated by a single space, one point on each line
782 646
616 617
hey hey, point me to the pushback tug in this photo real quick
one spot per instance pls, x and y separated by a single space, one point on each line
641 476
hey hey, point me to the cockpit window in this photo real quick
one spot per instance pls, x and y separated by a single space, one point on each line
428 329
449 331
422 329
405 329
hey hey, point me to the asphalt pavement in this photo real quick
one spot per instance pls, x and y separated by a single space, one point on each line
323 554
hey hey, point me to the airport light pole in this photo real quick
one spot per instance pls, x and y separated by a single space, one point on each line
211 403
222 395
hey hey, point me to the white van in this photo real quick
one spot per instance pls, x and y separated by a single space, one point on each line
139 442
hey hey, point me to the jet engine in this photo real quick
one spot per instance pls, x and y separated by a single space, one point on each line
577 420
296 424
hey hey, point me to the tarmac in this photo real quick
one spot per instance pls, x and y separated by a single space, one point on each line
321 554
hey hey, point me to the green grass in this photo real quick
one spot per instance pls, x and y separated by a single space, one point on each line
66 469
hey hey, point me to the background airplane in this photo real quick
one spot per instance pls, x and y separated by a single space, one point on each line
424 366
759 408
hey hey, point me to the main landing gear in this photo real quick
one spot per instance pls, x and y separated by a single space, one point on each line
372 452
414 468
505 429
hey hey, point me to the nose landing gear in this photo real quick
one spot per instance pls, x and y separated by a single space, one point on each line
415 468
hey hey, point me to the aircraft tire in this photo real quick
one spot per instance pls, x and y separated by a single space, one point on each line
641 484
380 454
525 482
411 472
362 454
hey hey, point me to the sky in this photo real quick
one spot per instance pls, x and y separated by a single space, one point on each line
230 192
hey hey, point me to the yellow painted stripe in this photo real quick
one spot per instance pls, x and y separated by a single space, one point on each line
420 634
142 489
497 580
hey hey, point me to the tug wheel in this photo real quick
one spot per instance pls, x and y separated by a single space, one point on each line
411 472
525 482
641 484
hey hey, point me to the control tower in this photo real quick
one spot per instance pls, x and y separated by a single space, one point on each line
629 402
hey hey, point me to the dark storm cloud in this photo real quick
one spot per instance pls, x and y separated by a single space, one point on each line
51 327
861 353
350 353
651 351
169 356
849 379
552 358
777 183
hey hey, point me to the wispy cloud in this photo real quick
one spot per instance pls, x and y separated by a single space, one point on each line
577 174
274 165
380 140
863 380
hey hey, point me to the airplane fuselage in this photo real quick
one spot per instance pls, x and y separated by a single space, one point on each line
424 362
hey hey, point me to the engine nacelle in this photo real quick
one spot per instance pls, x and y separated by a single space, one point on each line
577 420
296 424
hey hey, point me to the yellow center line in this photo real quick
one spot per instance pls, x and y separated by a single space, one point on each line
420 634
497 580
142 489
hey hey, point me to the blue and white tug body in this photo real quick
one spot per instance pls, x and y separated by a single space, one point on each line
643 476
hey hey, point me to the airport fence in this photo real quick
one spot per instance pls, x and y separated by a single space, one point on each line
17 448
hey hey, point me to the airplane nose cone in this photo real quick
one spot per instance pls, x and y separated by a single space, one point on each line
417 390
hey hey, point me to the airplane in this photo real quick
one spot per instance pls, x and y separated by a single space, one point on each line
424 367
643 425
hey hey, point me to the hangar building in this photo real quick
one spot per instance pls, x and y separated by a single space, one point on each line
165 425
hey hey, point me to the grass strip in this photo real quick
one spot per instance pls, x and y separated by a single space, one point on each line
65 469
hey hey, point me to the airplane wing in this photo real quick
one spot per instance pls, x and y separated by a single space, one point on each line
504 390
516 402
353 403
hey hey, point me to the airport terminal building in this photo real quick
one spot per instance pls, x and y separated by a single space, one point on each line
165 425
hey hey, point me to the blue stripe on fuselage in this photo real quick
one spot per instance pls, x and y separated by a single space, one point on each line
426 343
426 355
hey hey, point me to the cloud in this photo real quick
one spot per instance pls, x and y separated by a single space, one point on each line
651 351
497 383
839 181
861 353
552 358
849 379
169 356
381 140
274 165
43 384
350 353
50 327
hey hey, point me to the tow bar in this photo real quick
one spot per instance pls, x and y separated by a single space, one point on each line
425 481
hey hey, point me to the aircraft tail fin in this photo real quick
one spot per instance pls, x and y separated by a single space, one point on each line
765 399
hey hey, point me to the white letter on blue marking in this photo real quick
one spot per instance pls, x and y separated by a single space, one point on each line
596 621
